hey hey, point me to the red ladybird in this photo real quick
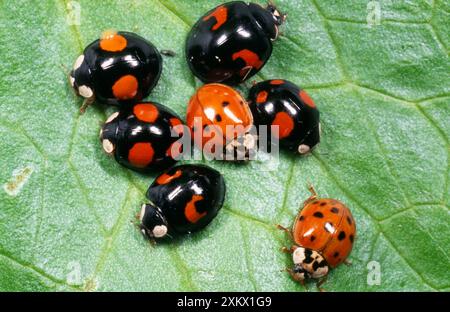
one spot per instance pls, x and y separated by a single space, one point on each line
323 233
224 119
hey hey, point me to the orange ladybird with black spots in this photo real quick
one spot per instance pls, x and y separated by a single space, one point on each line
323 235
144 137
182 200
232 42
221 122
281 103
118 68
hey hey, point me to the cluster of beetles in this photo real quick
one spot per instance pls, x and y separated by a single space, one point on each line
226 46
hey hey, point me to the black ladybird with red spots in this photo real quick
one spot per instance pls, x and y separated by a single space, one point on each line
143 137
232 42
182 200
119 67
281 103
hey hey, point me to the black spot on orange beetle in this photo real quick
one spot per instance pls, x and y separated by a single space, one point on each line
334 210
218 118
336 254
351 238
323 204
341 235
312 238
318 214
301 218
349 220
225 103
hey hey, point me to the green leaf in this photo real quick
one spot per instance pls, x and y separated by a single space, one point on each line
383 90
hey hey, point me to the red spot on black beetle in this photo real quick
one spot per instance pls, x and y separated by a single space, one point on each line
220 14
190 212
250 58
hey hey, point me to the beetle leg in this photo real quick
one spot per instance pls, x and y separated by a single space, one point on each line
86 103
320 283
291 273
312 197
288 250
289 232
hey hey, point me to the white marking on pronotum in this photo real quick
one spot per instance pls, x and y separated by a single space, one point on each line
112 117
108 146
299 255
303 149
141 215
78 62
72 81
19 177
159 231
85 91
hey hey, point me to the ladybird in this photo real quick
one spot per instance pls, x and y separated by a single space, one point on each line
281 103
143 137
220 117
182 200
119 67
323 232
232 42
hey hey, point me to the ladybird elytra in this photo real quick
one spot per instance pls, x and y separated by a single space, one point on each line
220 117
119 68
232 42
142 137
280 104
182 200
